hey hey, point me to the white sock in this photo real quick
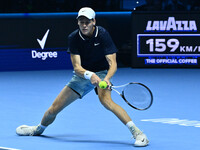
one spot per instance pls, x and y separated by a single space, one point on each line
131 126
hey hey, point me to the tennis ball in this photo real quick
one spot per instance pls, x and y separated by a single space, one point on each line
103 84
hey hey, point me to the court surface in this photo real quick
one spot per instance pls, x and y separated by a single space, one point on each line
87 125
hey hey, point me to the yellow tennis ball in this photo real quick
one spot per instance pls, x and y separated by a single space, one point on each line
103 84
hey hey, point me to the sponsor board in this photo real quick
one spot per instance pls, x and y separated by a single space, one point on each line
165 40
35 42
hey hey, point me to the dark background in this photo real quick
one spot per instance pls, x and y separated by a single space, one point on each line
28 6
23 21
34 6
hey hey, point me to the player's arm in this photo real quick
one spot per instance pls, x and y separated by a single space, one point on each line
111 58
80 71
76 62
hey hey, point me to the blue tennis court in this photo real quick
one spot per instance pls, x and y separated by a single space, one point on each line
173 121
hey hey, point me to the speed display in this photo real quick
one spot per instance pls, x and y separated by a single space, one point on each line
167 45
165 40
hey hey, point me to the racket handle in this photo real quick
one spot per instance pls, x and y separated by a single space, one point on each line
109 87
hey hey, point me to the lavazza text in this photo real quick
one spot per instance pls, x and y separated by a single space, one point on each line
171 24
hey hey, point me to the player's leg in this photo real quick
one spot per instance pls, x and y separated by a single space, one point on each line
66 97
107 102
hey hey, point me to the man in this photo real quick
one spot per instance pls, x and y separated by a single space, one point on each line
93 56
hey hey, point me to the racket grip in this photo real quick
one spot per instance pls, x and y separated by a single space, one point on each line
109 87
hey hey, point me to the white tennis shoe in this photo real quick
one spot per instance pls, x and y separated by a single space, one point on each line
25 130
140 139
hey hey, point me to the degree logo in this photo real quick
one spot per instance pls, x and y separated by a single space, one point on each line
43 41
43 55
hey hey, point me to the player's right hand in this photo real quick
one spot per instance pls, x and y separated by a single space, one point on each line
95 80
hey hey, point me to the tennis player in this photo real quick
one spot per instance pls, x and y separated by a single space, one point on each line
93 56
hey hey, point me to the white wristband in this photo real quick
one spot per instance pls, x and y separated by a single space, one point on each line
88 74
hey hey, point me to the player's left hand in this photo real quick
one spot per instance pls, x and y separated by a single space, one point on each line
108 82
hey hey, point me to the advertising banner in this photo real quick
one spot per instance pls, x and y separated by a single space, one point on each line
38 41
35 42
169 40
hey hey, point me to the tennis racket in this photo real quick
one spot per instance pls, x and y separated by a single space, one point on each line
136 95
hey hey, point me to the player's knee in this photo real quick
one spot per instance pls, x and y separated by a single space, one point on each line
108 104
106 101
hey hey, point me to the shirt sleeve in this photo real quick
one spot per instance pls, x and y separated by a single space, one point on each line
109 46
72 45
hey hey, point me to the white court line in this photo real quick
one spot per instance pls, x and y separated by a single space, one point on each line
6 148
181 122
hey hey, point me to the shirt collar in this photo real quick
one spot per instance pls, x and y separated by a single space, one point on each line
83 37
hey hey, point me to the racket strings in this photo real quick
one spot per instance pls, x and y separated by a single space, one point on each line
138 96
